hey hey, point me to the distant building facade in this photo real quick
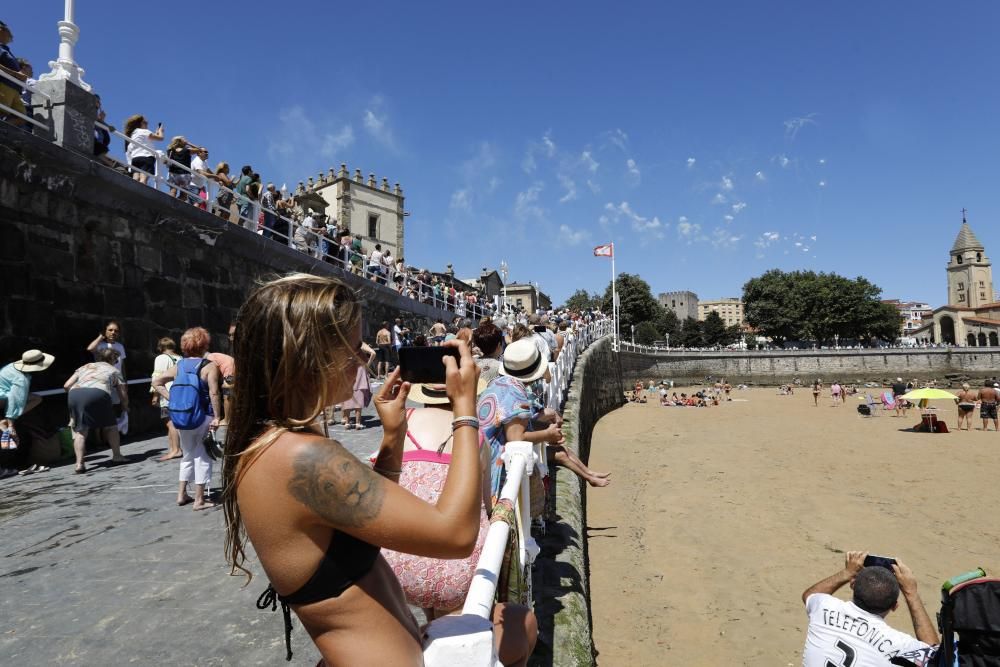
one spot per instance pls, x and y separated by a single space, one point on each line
372 210
489 283
527 296
729 309
913 313
971 318
684 304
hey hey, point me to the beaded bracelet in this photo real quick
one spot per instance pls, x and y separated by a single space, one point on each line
383 471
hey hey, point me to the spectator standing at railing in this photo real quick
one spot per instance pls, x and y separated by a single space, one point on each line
10 93
304 238
102 137
200 173
357 258
243 202
179 175
375 266
268 204
29 73
388 267
139 149
223 200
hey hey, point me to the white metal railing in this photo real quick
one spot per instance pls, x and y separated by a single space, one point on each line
312 242
467 639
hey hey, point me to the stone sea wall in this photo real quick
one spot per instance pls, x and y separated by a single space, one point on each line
948 366
81 243
562 590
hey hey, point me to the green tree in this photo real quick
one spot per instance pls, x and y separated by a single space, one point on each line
667 323
768 306
646 333
690 334
713 330
580 300
636 301
821 307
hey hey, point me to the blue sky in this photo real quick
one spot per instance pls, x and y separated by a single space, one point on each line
711 141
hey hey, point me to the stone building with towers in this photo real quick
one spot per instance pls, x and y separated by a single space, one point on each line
972 316
365 207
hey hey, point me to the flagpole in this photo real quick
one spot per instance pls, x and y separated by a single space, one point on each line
614 295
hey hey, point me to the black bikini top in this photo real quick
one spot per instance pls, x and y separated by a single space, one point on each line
346 560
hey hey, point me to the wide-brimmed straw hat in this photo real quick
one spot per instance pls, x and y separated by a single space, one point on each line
33 361
522 361
436 394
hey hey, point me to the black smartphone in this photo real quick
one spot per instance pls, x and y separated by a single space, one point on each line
880 561
425 364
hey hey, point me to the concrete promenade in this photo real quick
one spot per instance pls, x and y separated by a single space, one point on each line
105 569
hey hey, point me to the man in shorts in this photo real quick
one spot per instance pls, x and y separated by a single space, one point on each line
855 633
383 339
10 93
988 397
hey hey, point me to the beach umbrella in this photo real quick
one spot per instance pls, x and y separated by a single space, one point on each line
928 394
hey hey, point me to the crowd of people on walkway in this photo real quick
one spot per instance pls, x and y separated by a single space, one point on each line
409 519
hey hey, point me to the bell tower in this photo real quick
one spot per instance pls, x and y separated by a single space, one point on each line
970 273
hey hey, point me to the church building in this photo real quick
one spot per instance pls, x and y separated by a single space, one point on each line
972 316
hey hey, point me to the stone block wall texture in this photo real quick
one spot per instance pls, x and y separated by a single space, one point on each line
562 589
81 244
942 364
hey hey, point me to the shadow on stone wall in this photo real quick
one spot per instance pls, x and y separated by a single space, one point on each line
562 590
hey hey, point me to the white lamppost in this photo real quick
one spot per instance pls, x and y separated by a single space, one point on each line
503 274
633 335
65 67
668 342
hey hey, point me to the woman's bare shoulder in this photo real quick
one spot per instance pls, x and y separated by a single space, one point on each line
330 481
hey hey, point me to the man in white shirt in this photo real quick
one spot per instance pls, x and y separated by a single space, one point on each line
855 633
305 238
375 267
200 171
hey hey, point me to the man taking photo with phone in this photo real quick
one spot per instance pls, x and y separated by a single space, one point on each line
855 634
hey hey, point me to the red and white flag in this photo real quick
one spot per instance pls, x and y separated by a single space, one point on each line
605 250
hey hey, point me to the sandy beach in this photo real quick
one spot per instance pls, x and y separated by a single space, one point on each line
718 518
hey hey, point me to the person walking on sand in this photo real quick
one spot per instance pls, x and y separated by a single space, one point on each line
835 392
988 396
966 401
817 388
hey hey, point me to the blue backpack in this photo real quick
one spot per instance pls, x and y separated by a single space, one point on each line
188 407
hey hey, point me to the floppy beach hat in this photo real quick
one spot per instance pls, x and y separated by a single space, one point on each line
436 394
33 361
522 361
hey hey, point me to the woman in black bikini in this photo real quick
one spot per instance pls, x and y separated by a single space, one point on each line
316 515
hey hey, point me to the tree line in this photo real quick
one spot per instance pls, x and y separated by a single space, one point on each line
782 306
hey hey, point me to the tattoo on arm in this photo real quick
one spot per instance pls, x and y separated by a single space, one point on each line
335 485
